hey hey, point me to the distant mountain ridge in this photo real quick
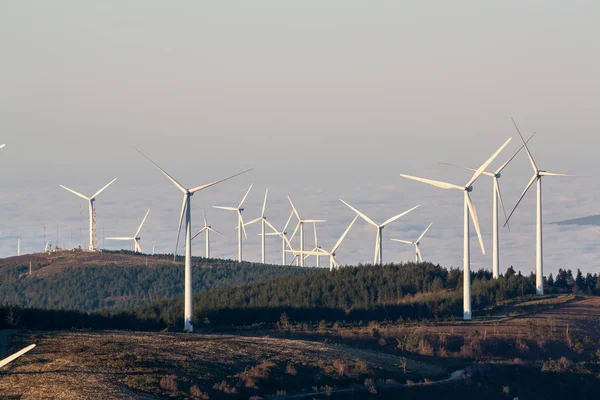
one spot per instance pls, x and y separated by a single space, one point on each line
592 220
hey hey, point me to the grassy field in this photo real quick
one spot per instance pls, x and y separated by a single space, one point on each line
550 343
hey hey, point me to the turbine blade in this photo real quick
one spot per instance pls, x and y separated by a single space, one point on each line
142 224
74 192
196 235
226 208
242 223
341 239
533 178
389 221
514 155
253 221
13 357
363 216
459 166
2 146
270 225
288 221
264 208
179 185
217 232
180 223
313 220
402 241
199 188
475 219
294 209
443 185
246 195
295 230
119 238
101 190
544 173
533 165
596 230
483 167
315 232
424 232
502 203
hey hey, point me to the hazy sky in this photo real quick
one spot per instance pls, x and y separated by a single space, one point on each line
327 99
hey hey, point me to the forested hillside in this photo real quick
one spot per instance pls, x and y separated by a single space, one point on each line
93 281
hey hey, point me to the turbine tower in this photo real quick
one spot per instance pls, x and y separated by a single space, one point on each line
135 238
416 243
207 229
537 177
378 259
469 208
332 260
300 226
187 212
263 221
240 226
496 197
93 241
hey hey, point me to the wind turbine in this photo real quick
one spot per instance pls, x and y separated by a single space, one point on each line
496 196
537 176
317 247
135 238
187 211
207 229
332 260
285 243
93 242
469 208
300 226
378 259
418 256
263 221
240 227
17 354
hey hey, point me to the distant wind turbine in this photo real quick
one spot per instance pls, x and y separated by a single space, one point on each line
207 229
263 222
416 243
496 196
285 243
537 176
300 226
332 260
240 226
469 208
93 242
136 239
187 212
378 259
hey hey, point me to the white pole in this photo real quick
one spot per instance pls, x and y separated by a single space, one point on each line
188 268
539 257
380 233
466 266
91 246
207 244
262 240
416 253
283 255
239 237
495 244
18 246
301 244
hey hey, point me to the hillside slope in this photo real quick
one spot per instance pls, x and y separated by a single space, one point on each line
86 281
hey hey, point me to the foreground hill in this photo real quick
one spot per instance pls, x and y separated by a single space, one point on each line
88 281
538 349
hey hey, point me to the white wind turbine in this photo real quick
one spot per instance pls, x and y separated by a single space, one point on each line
537 176
263 222
469 208
300 226
496 196
240 226
207 229
186 210
18 354
416 243
332 260
136 239
317 247
93 242
285 243
378 259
